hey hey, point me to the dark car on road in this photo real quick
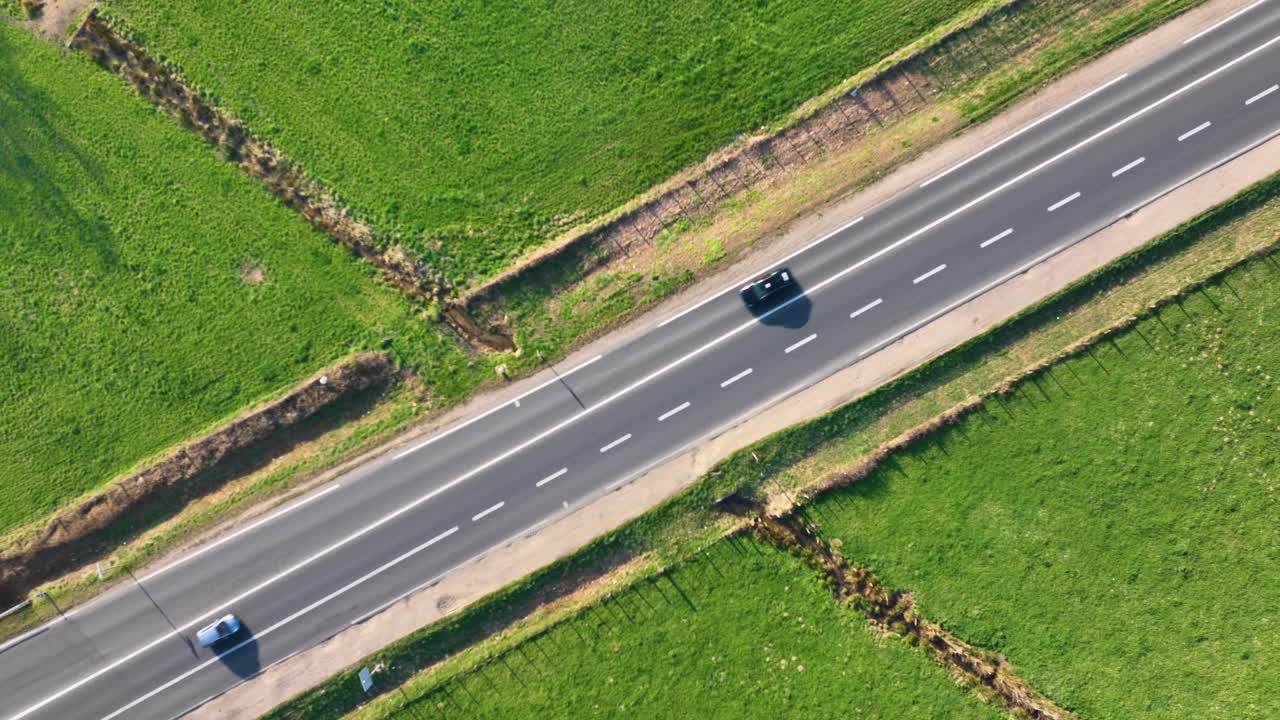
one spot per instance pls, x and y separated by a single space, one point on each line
768 288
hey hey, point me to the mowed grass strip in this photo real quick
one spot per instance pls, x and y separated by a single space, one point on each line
150 290
474 128
745 631
1113 528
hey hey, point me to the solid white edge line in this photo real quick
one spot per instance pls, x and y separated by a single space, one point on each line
1064 201
799 344
551 477
735 378
615 443
222 541
679 408
488 511
257 636
180 561
864 308
1117 173
756 274
995 238
514 401
1050 116
1261 95
929 274
1222 22
754 322
1194 131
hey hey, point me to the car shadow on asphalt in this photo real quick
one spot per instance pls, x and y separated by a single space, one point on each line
239 653
791 310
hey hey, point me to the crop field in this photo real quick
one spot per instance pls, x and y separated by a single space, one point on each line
477 129
1114 527
746 631
150 290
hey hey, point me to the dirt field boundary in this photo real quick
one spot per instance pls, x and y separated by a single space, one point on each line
902 85
76 535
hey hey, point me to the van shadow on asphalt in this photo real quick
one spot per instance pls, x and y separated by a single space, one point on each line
791 310
243 660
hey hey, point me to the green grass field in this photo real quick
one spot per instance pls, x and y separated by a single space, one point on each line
746 632
1114 528
130 319
472 126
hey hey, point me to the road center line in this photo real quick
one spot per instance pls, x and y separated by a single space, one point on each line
1128 167
714 342
754 275
735 378
1194 131
615 443
929 274
1050 116
679 408
800 344
1261 95
1070 198
487 511
551 477
993 240
257 636
492 410
865 308
1222 22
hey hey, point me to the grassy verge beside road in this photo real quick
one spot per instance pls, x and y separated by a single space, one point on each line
151 291
566 306
743 631
804 456
1110 527
478 131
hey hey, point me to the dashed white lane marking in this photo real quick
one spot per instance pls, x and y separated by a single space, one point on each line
993 240
260 634
551 477
1117 173
1050 116
1222 22
615 443
1070 198
800 344
865 308
492 410
754 275
487 511
1194 131
1262 94
679 408
735 378
929 274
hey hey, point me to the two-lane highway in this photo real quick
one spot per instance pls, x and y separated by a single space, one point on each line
312 569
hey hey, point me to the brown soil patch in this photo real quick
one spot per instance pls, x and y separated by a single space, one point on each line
252 273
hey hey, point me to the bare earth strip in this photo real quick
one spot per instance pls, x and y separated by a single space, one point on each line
524 555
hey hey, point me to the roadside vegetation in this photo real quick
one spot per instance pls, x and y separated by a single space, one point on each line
742 631
1110 526
151 290
477 131
1212 252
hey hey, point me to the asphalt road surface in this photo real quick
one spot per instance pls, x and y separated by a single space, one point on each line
366 539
